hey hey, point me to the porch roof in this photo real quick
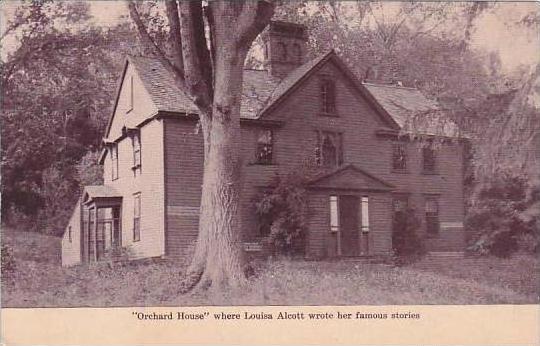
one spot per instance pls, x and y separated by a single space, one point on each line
350 177
93 192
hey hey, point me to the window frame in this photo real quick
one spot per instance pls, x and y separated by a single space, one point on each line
432 169
336 139
131 96
400 146
69 234
328 96
137 154
137 216
114 161
262 158
432 218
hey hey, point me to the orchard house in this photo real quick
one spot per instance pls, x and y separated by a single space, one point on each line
293 111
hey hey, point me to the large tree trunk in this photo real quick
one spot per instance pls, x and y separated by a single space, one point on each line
218 253
209 67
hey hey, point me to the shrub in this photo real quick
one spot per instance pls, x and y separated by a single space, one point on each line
505 212
406 244
7 261
282 213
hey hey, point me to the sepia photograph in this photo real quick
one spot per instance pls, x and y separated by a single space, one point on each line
269 153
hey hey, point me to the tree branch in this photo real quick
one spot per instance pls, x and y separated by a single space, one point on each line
185 83
253 19
197 63
175 36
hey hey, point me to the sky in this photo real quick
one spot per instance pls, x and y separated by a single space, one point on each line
514 45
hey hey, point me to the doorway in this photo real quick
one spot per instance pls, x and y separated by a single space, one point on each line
349 223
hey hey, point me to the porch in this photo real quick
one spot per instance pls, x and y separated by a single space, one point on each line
101 223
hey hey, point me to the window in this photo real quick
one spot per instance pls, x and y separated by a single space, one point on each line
282 51
114 161
69 233
265 147
329 152
131 96
432 215
429 160
334 219
297 52
137 217
328 97
136 141
399 156
364 212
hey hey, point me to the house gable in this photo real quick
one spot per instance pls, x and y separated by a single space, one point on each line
350 177
326 64
133 103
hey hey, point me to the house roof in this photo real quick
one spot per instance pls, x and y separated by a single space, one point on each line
261 92
350 177
412 110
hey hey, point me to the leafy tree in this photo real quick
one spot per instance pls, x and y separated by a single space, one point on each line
209 42
57 77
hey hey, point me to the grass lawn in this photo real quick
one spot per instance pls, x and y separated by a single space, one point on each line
40 281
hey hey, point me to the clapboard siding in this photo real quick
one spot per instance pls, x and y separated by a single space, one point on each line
295 144
183 178
71 248
149 183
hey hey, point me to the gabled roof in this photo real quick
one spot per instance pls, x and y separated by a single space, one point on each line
261 92
161 86
350 177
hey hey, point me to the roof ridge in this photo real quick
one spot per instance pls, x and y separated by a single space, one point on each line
389 86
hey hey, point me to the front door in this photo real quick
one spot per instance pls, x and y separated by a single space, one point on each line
348 219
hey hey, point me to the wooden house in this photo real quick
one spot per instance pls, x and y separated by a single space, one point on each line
292 111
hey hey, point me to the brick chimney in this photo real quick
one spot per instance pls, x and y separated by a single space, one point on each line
285 46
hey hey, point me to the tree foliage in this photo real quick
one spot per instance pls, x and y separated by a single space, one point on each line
57 77
282 213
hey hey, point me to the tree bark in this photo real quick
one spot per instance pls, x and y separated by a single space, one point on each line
212 76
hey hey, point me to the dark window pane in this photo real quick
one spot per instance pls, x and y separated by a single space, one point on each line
265 147
399 159
428 155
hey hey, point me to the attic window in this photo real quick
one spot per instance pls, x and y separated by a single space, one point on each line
328 97
130 96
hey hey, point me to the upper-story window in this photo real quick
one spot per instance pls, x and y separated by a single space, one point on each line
265 147
329 151
136 141
297 52
432 214
282 51
429 160
328 97
114 161
399 156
